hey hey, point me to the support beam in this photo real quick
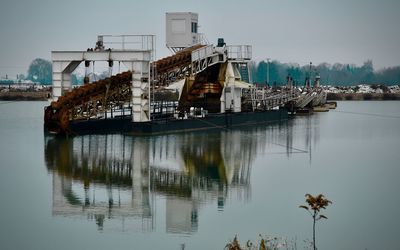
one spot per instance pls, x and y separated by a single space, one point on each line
62 76
140 91
65 62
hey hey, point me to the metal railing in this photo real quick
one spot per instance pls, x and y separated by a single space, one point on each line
202 53
128 42
239 52
204 57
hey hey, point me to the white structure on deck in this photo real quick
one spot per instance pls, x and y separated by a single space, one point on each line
181 30
237 57
232 91
136 59
207 56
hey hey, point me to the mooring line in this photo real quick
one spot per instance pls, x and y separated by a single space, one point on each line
251 137
282 145
212 124
367 114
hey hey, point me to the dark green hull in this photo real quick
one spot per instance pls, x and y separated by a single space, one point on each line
211 121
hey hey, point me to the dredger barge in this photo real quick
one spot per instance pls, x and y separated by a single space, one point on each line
201 86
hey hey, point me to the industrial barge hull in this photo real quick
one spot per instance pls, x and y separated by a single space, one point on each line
212 121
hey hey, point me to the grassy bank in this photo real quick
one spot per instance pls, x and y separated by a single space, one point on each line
25 96
363 96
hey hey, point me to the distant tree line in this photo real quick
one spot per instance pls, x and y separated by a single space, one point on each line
40 70
337 74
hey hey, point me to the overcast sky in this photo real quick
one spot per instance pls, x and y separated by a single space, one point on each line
344 31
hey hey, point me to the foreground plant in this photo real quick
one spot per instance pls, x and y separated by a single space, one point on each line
314 206
233 245
265 243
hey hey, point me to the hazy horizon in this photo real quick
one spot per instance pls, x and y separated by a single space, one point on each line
287 31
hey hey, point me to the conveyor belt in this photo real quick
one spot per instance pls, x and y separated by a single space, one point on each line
91 100
87 101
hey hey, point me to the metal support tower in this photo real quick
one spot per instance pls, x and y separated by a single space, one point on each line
137 60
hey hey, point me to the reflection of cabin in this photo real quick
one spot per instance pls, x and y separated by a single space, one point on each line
181 215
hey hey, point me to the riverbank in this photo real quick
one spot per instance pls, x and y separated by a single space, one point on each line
25 96
362 96
45 95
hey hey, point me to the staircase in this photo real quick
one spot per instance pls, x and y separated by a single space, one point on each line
304 99
244 72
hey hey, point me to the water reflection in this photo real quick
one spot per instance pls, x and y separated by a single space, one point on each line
132 181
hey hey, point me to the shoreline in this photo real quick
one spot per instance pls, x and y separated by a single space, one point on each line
25 96
45 95
363 96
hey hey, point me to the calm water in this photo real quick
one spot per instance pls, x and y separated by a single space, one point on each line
200 189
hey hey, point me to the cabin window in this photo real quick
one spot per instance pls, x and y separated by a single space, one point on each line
194 27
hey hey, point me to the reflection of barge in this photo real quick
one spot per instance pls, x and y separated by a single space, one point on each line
116 180
204 79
